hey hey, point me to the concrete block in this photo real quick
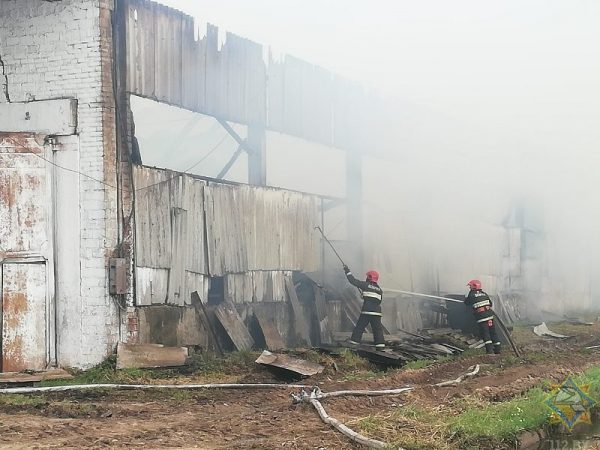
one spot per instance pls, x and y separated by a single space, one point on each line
55 117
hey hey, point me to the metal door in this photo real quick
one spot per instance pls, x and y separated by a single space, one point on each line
25 253
24 341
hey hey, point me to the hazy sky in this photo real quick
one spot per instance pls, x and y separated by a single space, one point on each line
499 99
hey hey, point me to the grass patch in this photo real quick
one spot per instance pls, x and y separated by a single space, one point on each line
199 365
419 364
356 368
21 400
361 375
468 422
501 421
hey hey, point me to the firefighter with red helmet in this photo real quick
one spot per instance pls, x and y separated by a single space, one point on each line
372 295
480 303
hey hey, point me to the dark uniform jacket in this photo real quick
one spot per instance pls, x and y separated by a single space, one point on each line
481 305
371 294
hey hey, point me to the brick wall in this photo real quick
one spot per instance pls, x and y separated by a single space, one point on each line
63 49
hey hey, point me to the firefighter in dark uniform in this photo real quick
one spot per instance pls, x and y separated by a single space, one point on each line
371 310
480 304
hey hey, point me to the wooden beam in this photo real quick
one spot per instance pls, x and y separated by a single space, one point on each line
300 322
137 356
235 136
234 326
257 159
230 163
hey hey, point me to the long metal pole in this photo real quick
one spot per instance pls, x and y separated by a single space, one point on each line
331 245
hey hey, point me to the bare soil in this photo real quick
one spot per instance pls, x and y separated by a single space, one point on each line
257 419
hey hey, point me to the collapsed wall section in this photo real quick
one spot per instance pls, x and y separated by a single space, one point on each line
235 243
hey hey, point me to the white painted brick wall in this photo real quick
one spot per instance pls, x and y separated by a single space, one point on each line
53 50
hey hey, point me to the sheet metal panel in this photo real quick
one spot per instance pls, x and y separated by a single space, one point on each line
170 242
252 228
141 49
256 286
23 209
166 63
349 107
196 240
269 286
151 286
24 326
256 236
300 97
275 95
239 287
179 241
196 282
152 218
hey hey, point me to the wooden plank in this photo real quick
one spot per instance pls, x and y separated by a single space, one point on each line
298 366
387 358
179 241
199 306
341 336
234 326
138 356
151 286
18 378
196 254
322 317
273 339
300 323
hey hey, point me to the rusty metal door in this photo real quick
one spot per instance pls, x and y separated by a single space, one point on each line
24 317
26 255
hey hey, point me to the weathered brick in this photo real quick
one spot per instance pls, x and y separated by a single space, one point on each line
55 50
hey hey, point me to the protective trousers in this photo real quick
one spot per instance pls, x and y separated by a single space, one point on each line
488 333
376 327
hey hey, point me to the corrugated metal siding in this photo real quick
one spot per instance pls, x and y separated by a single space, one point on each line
253 228
170 255
256 286
166 63
239 287
256 236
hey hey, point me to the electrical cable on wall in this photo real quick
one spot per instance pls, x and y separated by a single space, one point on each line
184 172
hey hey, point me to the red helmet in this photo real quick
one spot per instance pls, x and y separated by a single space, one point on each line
373 276
474 284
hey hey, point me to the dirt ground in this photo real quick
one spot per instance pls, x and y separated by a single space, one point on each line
251 419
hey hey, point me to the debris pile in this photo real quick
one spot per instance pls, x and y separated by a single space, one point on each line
411 347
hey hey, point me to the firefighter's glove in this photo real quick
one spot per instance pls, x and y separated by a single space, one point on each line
346 269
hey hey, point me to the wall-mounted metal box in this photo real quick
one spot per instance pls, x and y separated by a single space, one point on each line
117 276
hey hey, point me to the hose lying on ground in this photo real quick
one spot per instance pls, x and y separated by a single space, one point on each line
77 387
312 398
474 370
315 394
320 395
